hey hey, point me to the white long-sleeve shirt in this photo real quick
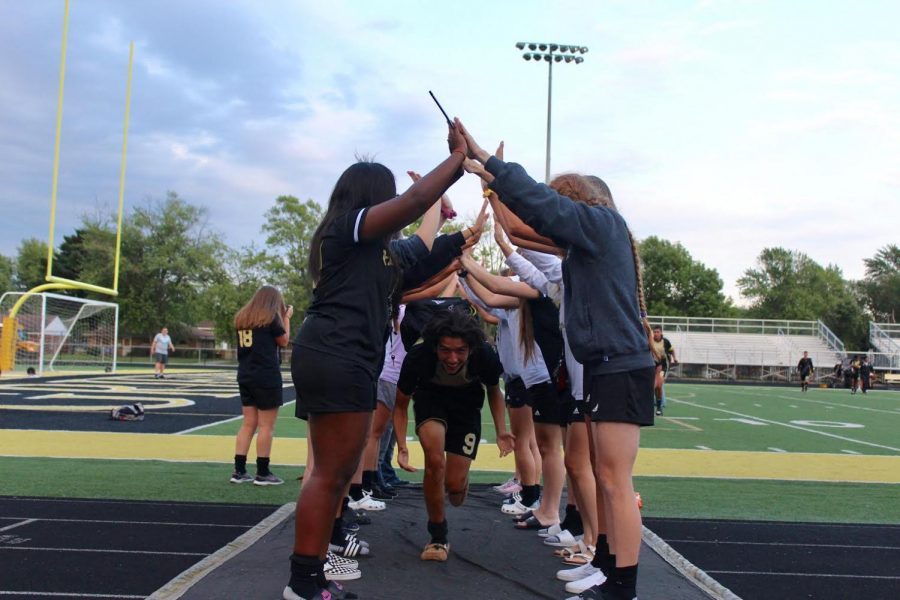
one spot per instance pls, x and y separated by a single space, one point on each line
543 272
511 353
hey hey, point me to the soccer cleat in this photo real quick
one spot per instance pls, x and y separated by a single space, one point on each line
367 502
238 477
577 573
581 585
438 552
270 479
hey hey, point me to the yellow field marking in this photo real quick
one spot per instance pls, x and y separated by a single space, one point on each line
148 403
681 423
652 462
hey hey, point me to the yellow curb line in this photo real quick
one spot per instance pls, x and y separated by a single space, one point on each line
653 462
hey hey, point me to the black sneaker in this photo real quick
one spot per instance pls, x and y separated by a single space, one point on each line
270 479
241 477
379 493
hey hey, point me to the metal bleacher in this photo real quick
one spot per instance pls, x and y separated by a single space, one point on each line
760 349
885 339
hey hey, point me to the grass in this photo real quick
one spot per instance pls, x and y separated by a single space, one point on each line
663 496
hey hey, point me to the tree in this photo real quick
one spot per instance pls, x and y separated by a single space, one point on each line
676 284
790 285
880 289
31 264
170 259
245 271
290 226
7 272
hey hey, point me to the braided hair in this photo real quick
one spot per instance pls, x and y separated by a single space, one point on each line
593 191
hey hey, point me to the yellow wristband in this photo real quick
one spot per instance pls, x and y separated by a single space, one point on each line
487 192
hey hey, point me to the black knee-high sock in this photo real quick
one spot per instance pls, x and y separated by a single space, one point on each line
240 463
305 574
602 555
262 465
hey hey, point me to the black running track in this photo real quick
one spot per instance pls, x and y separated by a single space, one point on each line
70 403
65 548
765 559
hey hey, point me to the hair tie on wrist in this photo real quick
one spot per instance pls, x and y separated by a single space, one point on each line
643 314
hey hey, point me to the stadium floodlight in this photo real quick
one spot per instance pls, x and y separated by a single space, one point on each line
557 53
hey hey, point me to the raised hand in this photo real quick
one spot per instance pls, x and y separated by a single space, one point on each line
499 152
474 150
414 176
475 168
456 141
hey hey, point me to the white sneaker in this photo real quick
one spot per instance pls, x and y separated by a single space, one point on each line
577 573
501 488
576 587
517 508
367 502
510 487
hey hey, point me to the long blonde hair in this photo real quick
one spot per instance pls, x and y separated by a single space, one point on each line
593 191
265 306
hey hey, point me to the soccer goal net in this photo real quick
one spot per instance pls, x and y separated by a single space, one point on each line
55 332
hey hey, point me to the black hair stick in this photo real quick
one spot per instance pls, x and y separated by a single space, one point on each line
449 122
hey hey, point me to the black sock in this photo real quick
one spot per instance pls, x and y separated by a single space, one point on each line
576 526
306 572
624 582
530 494
438 532
240 463
368 480
601 553
356 491
345 504
262 465
337 532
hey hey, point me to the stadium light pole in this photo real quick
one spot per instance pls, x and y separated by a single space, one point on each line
551 53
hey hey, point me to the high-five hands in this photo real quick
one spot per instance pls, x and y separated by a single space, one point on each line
474 151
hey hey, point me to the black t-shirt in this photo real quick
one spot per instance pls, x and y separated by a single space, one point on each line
258 360
805 365
351 305
423 376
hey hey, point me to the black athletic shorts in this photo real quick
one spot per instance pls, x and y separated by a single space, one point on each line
625 397
263 398
462 422
329 384
545 406
516 396
566 407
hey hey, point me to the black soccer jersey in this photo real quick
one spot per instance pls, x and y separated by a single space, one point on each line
805 365
351 305
421 373
258 360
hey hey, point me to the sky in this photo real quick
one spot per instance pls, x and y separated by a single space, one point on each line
726 125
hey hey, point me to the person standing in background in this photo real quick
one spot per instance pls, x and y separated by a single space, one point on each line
159 350
805 368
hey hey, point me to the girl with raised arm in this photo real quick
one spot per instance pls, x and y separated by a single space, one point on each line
609 334
339 350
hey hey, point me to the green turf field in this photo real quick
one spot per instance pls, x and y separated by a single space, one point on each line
732 417
709 417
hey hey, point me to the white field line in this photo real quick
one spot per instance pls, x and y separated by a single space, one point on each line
208 425
19 524
792 426
32 594
832 575
126 523
789 544
102 551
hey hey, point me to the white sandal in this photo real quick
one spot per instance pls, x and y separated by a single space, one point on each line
563 539
552 530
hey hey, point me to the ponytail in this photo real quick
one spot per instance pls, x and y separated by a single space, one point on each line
642 300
